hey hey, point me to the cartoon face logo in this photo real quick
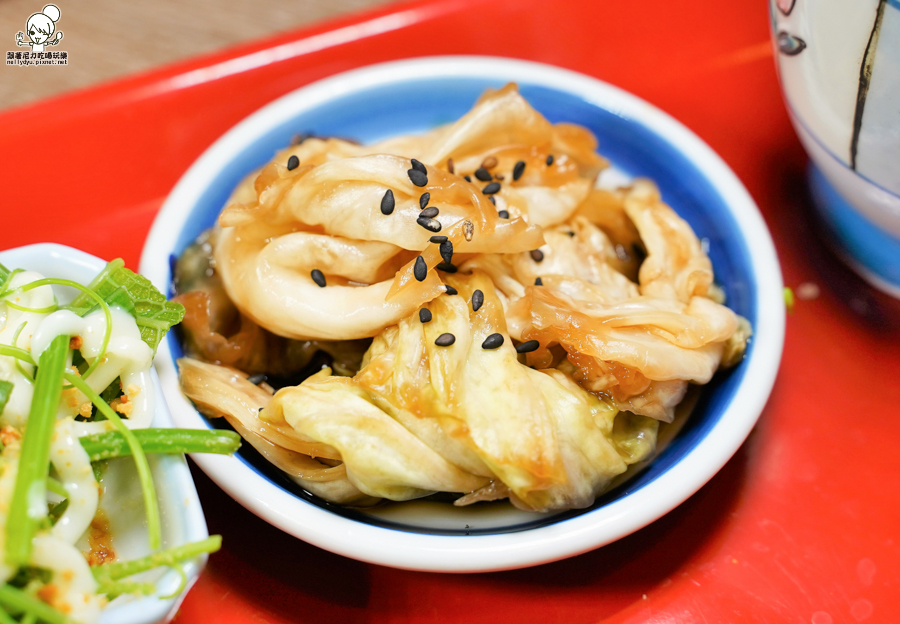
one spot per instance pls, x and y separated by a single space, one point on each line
40 27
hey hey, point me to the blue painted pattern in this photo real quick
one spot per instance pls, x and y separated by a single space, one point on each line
865 242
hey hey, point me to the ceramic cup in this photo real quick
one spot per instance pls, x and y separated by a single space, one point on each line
839 66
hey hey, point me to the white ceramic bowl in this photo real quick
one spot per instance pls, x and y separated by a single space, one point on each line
182 516
410 96
839 66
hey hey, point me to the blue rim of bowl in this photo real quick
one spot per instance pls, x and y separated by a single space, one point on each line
416 105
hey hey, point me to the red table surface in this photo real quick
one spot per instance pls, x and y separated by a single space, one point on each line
800 526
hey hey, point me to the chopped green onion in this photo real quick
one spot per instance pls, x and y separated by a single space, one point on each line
6 388
6 618
29 500
99 468
151 505
57 511
28 618
14 599
45 310
168 557
100 446
182 584
6 276
15 352
789 299
15 340
56 487
112 589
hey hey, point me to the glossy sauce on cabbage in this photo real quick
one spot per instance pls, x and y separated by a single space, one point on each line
394 356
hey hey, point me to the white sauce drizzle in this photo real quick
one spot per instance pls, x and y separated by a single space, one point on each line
73 467
76 593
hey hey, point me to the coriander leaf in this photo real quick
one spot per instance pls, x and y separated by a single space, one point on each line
6 389
4 273
122 287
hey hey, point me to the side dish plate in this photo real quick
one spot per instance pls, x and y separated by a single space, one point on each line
182 516
414 95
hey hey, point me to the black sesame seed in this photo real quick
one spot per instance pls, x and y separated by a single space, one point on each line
572 234
483 174
425 316
429 212
446 267
503 214
259 411
528 346
518 170
640 254
538 282
537 255
445 340
492 200
417 177
293 163
494 341
477 300
318 277
420 269
429 224
549 160
490 189
387 202
257 379
416 165
437 239
447 251
467 178
450 290
424 199
450 167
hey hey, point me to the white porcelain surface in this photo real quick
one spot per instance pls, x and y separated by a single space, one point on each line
181 514
841 41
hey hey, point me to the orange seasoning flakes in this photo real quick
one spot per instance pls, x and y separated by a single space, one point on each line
71 397
75 342
48 593
9 435
100 541
122 405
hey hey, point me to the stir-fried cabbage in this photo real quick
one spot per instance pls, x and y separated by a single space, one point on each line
529 331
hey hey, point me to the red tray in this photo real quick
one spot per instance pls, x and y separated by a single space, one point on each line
800 526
